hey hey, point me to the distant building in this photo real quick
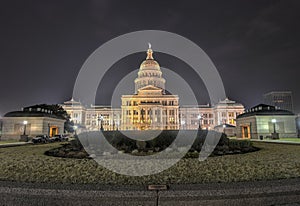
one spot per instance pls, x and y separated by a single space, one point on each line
280 99
263 120
34 121
226 111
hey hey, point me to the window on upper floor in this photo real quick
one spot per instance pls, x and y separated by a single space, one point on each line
171 103
231 114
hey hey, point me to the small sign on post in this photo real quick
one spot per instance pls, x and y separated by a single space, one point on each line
157 187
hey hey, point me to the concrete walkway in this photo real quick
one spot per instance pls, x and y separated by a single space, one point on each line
276 192
276 141
14 144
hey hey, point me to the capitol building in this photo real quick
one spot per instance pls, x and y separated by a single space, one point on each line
150 107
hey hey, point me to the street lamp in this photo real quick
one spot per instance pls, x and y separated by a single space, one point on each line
199 118
75 129
224 126
100 119
25 124
274 125
182 124
117 124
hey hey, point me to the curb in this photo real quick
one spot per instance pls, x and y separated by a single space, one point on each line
14 144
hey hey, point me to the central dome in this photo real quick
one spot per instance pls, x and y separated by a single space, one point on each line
149 73
149 63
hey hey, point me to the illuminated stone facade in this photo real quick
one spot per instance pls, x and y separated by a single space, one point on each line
151 108
263 120
38 121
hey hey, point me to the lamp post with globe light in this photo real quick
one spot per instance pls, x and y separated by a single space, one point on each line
75 129
274 125
182 124
199 118
275 135
24 137
100 119
25 125
224 126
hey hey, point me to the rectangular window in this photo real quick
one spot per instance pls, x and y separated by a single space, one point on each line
171 112
231 114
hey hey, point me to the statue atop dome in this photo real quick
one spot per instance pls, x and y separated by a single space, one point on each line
149 52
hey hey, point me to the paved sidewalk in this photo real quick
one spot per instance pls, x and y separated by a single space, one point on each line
14 144
276 141
275 192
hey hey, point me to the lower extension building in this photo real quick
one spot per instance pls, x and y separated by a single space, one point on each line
150 108
31 121
263 121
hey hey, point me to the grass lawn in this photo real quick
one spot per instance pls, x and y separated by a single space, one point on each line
273 161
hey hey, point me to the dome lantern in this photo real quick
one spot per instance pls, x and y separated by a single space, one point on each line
149 52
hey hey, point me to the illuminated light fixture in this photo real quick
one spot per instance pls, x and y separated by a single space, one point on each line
25 124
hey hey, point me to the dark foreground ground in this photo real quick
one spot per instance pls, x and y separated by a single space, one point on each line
275 192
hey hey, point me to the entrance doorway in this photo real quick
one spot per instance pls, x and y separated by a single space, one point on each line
246 132
53 131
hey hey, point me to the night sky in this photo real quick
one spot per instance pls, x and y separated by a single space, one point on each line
255 45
